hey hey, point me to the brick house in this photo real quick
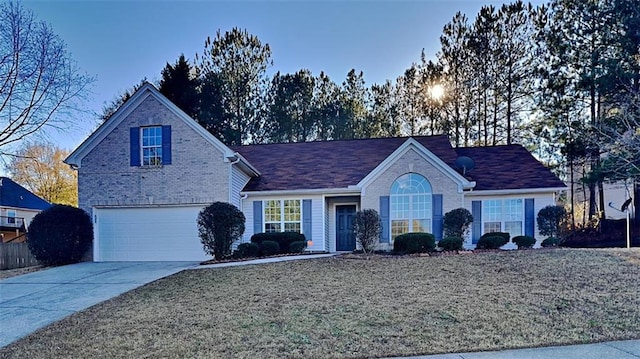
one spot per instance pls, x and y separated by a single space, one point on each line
145 174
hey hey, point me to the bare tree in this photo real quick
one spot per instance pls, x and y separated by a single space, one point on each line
39 82
39 168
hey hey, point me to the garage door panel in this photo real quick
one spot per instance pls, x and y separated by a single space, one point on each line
148 234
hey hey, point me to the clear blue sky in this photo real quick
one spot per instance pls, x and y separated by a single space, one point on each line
121 42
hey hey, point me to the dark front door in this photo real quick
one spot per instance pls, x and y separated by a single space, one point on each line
345 240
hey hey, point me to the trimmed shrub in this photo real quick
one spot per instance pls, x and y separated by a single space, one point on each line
524 241
451 243
493 240
246 250
409 243
297 246
367 228
60 235
284 239
551 219
550 242
269 248
219 225
457 222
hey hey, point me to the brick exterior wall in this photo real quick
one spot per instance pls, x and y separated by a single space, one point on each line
411 161
197 175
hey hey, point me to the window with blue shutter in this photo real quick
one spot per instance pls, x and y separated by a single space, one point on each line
437 216
166 145
306 219
134 142
476 227
150 146
384 218
257 217
529 217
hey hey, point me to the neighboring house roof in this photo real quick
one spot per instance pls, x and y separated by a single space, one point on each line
508 167
344 163
14 195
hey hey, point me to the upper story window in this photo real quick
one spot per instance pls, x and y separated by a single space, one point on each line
151 146
410 205
282 215
11 216
503 216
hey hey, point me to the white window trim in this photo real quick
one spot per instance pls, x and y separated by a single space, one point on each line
142 146
282 221
410 219
502 214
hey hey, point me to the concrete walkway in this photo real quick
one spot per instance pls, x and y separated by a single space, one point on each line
32 301
628 349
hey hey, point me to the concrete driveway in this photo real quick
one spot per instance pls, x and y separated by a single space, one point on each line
32 301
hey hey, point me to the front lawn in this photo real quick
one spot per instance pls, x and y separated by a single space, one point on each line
351 307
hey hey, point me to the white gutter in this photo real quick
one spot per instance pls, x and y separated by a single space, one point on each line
341 191
513 191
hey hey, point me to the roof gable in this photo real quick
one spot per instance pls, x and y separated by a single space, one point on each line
16 196
146 90
428 156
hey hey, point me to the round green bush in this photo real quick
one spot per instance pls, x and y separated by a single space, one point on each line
269 248
409 243
524 241
219 225
451 243
456 222
246 250
297 246
492 241
550 242
284 239
60 235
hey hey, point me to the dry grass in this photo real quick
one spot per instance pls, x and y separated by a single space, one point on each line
8 273
339 307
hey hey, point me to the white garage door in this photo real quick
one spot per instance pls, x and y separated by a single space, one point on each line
147 234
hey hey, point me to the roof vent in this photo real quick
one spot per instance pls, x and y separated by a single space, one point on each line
464 164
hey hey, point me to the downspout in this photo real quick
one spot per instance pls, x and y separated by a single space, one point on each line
231 176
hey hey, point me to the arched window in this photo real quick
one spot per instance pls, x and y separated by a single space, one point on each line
410 203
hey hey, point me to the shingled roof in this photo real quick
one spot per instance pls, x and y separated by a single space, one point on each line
339 164
14 195
507 167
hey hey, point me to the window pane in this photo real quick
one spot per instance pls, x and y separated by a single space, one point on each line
514 228
399 207
421 225
272 227
490 227
272 211
292 210
399 227
492 210
513 210
292 227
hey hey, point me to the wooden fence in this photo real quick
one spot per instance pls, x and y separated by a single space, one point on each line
16 255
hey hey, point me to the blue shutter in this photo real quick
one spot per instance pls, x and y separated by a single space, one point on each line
257 217
476 227
134 143
384 218
166 145
529 217
437 216
306 218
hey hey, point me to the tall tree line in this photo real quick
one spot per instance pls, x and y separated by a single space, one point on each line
548 77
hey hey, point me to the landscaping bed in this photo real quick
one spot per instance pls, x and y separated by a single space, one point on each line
385 306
